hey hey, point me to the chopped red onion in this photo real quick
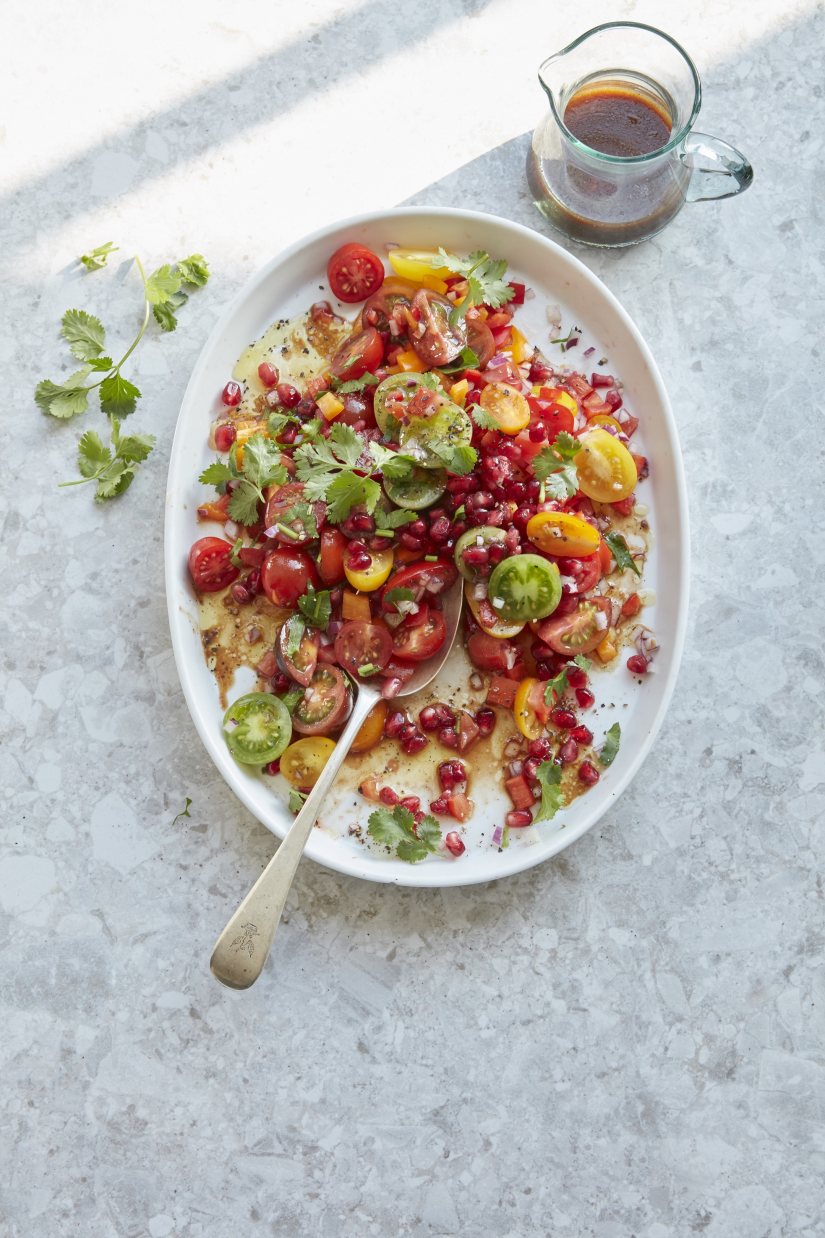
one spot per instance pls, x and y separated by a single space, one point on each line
589 351
334 627
272 531
498 835
476 681
231 529
529 294
253 635
515 768
479 590
390 688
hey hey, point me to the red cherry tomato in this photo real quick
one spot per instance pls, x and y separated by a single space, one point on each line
489 653
360 645
285 576
325 705
354 272
361 352
422 641
277 507
480 339
210 564
421 578
331 557
580 632
585 572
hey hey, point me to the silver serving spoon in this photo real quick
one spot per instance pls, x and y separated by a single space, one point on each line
241 950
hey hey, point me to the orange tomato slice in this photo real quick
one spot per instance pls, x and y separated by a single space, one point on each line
530 709
560 533
507 407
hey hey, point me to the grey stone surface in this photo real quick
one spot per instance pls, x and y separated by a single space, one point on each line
626 1041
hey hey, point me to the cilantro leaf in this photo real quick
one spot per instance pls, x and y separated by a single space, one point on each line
483 419
184 812
611 745
396 829
117 478
262 462
566 446
458 458
243 503
65 399
84 334
320 465
194 270
583 663
468 360
353 384
485 280
400 594
555 470
300 520
216 474
392 464
347 444
134 448
297 799
552 796
100 365
92 455
316 607
618 548
295 629
346 491
96 258
397 518
164 313
118 396
163 284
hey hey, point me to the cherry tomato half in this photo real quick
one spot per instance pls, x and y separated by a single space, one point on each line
359 646
606 470
562 534
579 632
285 576
530 709
421 578
299 663
331 556
304 760
281 500
480 339
419 642
210 564
361 352
354 272
372 728
326 703
584 571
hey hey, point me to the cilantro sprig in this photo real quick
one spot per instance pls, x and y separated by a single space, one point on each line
316 607
554 689
618 549
261 467
95 260
327 469
396 829
112 468
610 747
554 466
485 280
552 796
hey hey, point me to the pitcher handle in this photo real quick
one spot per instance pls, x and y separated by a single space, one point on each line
718 170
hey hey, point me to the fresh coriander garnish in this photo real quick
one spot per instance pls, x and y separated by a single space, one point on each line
618 548
295 629
326 467
552 796
297 799
234 557
483 419
94 260
352 384
399 594
316 607
184 812
611 745
554 467
467 361
261 467
396 829
369 668
484 276
112 468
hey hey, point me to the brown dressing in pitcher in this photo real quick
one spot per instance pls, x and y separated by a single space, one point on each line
617 120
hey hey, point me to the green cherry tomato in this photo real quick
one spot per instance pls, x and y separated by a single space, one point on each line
420 437
257 728
419 490
392 397
476 540
524 587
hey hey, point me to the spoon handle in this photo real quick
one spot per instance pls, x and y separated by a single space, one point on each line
241 950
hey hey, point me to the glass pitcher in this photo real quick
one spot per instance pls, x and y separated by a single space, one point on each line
620 199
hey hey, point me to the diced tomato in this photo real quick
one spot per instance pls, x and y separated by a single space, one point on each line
502 691
519 791
489 653
355 606
459 806
579 386
468 731
625 506
518 293
331 557
216 509
594 406
632 606
252 556
630 425
642 466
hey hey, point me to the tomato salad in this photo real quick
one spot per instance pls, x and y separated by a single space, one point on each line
428 440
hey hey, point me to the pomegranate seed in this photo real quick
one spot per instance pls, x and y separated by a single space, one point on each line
530 768
268 374
231 395
453 843
518 818
411 802
281 682
253 582
414 742
241 594
568 752
480 500
539 371
273 768
434 716
564 719
387 796
497 551
540 748
486 720
448 737
538 432
306 408
288 434
439 806
602 380
410 542
576 677
588 773
496 470
440 529
362 522
637 664
613 399
395 724
451 774
585 698
515 491
288 395
476 556
225 435
358 557
582 735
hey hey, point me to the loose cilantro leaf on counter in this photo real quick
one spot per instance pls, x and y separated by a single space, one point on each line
611 745
112 468
184 812
396 829
118 397
618 548
84 333
484 276
552 796
400 594
96 258
316 607
65 399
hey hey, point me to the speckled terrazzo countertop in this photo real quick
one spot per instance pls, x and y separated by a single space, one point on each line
626 1041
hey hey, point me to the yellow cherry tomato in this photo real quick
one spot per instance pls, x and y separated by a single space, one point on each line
372 728
486 617
507 407
605 467
304 760
559 533
556 395
530 709
420 266
604 420
368 579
